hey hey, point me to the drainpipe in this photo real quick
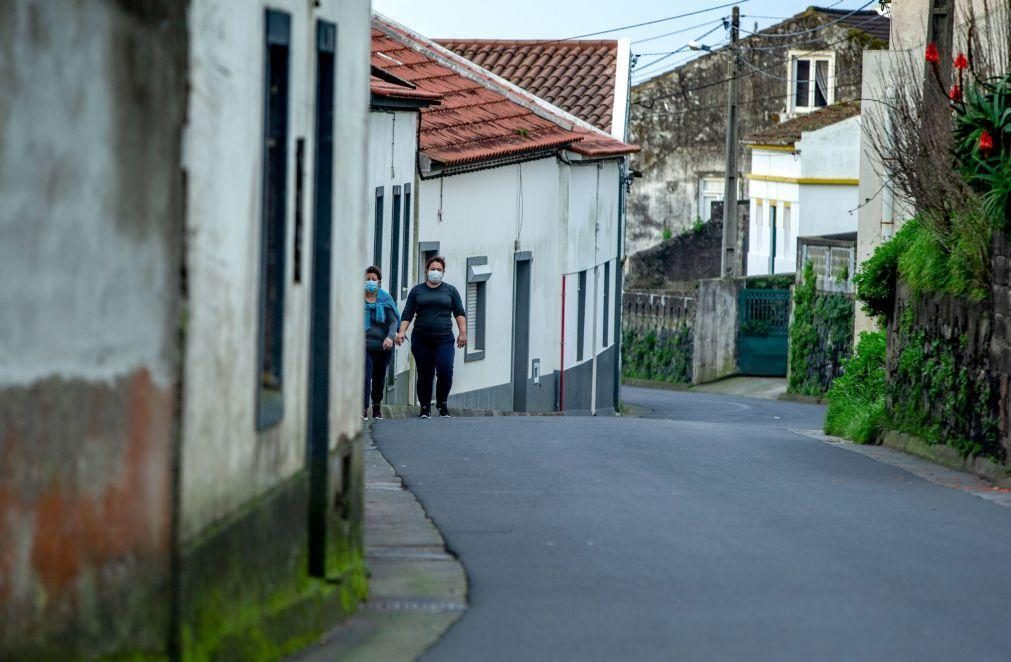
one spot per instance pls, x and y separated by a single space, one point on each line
596 285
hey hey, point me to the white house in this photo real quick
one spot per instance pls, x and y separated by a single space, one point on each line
804 182
523 200
180 356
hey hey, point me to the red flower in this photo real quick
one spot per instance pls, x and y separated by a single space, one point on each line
955 93
961 62
985 142
932 55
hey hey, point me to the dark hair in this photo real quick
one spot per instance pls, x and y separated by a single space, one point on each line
374 270
435 258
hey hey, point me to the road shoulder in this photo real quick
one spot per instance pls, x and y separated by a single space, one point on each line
417 589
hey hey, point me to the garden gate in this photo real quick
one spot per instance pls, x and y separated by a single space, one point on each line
762 335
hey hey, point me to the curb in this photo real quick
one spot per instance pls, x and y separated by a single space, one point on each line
411 411
649 383
417 587
797 397
948 457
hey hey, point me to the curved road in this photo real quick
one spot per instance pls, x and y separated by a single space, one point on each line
705 530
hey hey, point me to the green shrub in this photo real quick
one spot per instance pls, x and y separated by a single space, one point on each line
878 276
986 107
667 234
856 400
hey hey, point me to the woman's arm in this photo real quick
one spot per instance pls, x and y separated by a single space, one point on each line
407 316
460 313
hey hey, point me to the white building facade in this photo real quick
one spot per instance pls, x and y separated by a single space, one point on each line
803 183
530 234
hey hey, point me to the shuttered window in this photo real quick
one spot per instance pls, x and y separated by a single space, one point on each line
478 274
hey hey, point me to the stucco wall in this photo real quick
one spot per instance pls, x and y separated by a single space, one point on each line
225 461
679 119
90 243
714 354
566 216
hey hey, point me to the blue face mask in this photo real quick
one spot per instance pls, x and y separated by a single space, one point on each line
371 286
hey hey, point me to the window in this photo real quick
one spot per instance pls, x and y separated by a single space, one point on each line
299 189
772 238
581 315
377 249
478 274
607 300
407 240
810 81
391 283
269 403
710 191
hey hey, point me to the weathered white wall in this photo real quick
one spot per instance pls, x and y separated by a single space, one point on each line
764 195
393 141
832 152
225 461
827 210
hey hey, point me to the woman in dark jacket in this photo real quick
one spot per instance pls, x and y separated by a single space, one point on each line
381 320
434 305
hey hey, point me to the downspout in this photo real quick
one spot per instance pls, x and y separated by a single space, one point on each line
596 286
619 264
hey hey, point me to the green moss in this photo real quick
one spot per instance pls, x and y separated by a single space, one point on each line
821 327
663 356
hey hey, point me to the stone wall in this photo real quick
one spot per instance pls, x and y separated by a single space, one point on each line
714 353
679 119
657 335
949 366
671 264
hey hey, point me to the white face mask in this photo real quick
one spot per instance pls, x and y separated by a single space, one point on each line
435 275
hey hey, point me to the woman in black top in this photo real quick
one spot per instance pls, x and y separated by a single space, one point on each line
381 321
433 305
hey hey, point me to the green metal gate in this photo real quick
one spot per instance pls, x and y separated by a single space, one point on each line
762 338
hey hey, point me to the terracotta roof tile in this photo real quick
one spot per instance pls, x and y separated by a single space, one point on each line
386 89
560 72
789 132
480 116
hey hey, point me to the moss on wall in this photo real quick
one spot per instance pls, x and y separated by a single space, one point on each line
664 355
821 336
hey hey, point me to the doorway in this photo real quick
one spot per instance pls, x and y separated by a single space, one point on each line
521 330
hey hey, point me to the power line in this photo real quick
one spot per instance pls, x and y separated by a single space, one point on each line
681 31
726 80
639 70
503 49
817 28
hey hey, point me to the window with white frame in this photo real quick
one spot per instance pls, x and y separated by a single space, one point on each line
710 191
812 81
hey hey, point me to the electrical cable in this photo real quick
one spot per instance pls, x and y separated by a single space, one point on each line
817 28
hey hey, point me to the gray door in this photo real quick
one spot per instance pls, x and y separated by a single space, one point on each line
521 331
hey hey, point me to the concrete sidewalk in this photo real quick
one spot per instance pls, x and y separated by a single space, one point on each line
766 388
416 588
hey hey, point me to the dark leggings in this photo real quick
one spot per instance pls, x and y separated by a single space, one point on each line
376 361
433 356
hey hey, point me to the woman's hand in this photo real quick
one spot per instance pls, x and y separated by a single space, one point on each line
399 339
387 344
461 340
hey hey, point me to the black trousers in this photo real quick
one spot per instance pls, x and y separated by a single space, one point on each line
434 356
376 361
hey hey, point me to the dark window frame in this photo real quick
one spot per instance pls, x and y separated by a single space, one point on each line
405 256
607 302
394 275
276 111
377 245
581 316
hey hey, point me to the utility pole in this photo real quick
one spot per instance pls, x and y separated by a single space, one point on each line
731 260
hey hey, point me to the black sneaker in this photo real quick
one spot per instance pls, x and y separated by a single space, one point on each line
426 412
377 412
443 411
365 414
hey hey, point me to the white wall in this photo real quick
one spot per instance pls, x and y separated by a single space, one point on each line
225 461
567 216
392 141
832 152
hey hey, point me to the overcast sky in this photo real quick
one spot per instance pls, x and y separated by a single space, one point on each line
556 19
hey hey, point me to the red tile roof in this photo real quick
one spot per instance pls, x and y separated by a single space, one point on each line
382 88
578 76
481 116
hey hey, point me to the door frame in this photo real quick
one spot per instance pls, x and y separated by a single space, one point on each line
521 332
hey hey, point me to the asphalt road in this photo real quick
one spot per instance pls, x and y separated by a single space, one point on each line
707 530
